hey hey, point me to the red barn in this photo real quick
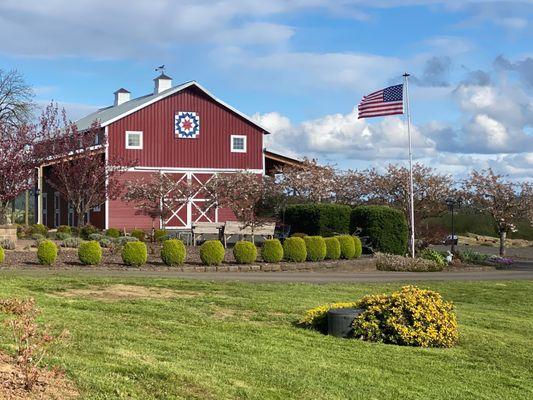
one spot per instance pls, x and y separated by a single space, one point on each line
182 130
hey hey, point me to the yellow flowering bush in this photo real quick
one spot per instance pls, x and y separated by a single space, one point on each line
317 318
409 317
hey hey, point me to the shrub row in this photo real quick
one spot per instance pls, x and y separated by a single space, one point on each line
385 227
173 251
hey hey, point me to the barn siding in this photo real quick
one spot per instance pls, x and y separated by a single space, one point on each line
210 150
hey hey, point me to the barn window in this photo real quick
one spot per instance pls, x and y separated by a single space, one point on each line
238 143
134 140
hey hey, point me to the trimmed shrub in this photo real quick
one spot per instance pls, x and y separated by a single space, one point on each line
333 248
392 262
64 229
72 242
160 235
272 251
409 317
358 247
2 254
7 244
173 252
347 244
96 236
112 233
46 252
90 253
87 230
106 242
433 255
318 219
134 254
472 257
62 235
23 231
317 318
139 234
122 240
386 228
39 229
212 252
37 236
294 249
315 247
244 252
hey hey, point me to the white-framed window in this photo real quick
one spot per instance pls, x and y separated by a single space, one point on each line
134 140
45 209
70 214
97 208
57 209
238 143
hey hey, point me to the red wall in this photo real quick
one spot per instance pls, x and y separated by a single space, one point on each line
210 150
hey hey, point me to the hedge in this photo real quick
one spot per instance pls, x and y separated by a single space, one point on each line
90 253
112 233
318 219
134 254
173 252
294 249
212 252
386 228
46 252
333 248
244 252
316 248
272 251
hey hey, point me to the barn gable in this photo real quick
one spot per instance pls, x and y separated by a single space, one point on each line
206 141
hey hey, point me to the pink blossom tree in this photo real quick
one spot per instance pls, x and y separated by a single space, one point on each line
505 201
245 194
78 168
17 164
157 196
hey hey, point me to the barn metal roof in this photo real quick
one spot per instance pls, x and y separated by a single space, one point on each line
110 114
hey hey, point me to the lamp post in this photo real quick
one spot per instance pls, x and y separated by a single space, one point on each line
452 203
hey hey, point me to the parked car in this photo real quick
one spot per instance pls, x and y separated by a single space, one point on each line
449 239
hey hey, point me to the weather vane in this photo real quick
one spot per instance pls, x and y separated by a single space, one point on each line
161 68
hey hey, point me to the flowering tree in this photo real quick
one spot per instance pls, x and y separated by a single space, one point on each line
158 196
17 164
506 202
350 187
244 193
431 189
307 182
78 168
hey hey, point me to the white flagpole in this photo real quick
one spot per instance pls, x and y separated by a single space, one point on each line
411 190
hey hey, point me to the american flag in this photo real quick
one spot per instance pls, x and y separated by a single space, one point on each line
388 101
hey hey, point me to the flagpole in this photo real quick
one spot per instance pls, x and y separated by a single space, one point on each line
411 189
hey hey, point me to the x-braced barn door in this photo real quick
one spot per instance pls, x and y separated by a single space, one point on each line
197 209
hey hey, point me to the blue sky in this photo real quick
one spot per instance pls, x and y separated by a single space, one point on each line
300 67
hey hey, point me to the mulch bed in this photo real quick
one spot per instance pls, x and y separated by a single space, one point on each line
68 259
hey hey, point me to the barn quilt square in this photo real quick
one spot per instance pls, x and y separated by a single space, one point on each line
187 125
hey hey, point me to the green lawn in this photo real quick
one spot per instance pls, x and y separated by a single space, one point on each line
237 340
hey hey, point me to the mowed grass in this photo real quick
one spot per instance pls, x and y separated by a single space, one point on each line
239 341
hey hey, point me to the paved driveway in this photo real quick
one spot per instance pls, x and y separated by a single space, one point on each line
522 271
